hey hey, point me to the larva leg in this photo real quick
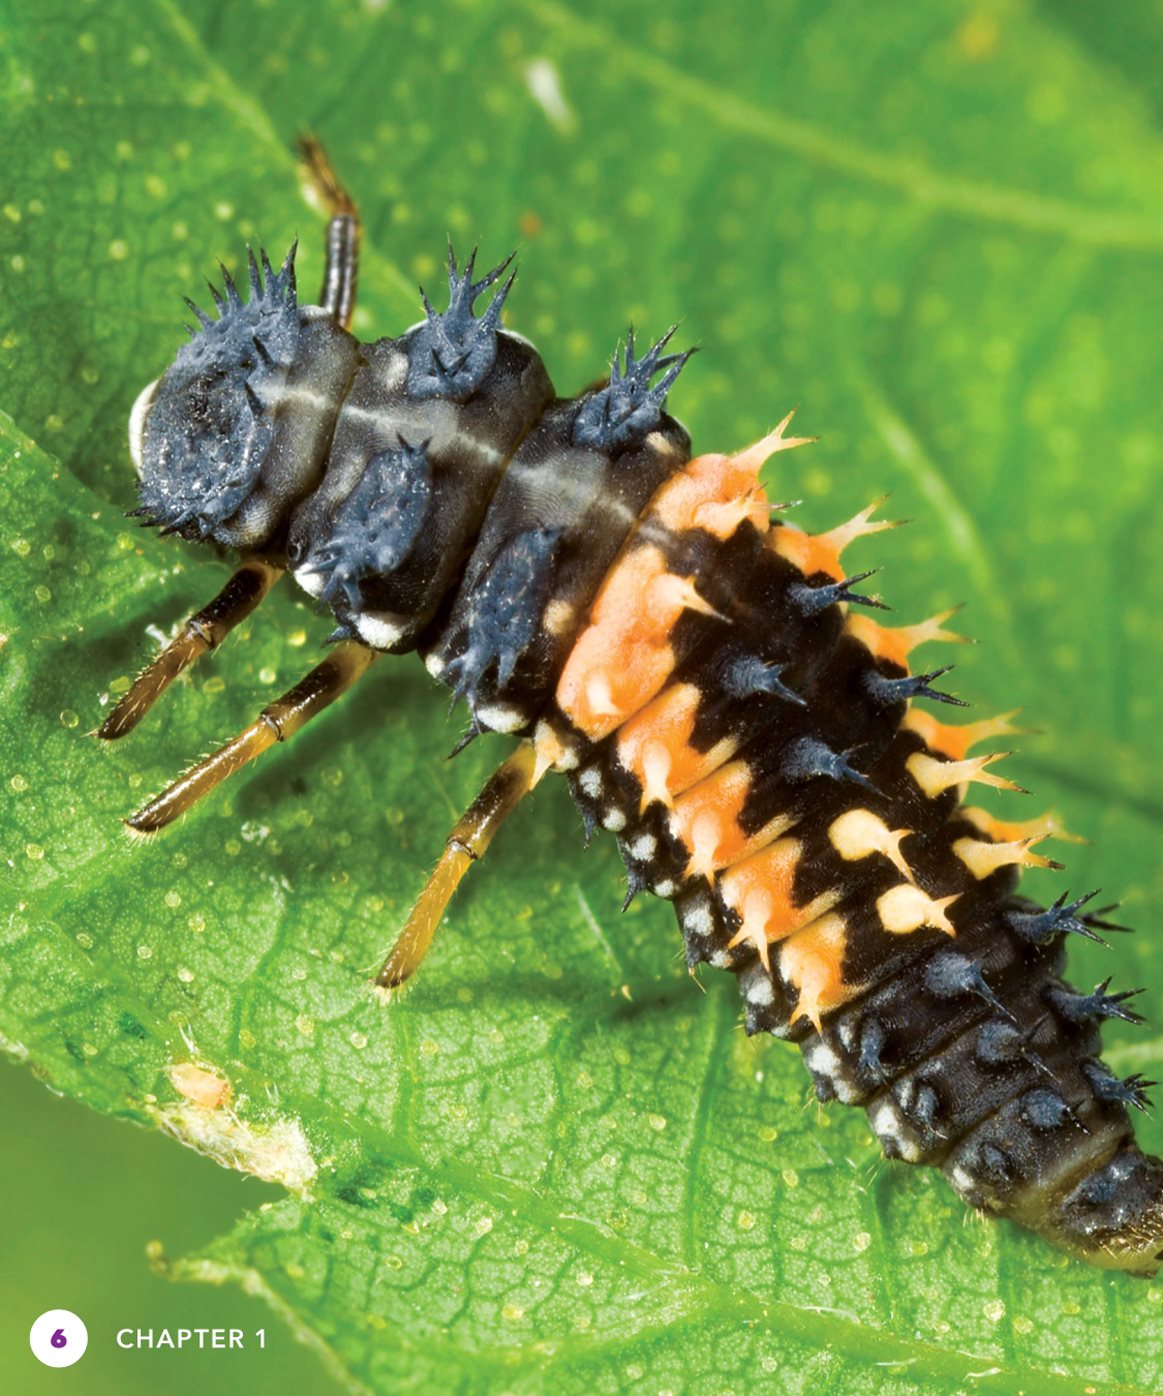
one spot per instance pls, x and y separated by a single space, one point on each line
205 630
343 234
500 796
277 721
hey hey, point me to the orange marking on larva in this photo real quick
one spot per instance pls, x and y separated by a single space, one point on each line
812 962
706 819
809 552
753 458
955 741
1048 825
670 595
200 1085
622 658
896 643
722 518
760 889
983 858
906 908
717 492
821 552
934 776
664 729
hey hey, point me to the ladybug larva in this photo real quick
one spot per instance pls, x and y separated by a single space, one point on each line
716 689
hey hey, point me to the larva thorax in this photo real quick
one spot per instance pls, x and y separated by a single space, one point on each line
703 676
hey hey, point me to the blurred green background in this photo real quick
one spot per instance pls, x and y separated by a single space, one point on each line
556 1165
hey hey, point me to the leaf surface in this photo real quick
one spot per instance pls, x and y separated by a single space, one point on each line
556 1164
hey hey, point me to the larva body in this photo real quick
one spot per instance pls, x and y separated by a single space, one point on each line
705 679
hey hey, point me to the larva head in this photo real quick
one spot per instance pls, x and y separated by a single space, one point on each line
1114 1216
202 433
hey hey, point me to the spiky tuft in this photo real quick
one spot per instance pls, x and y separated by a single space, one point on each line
627 409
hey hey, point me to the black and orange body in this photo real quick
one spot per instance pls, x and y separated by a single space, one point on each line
717 690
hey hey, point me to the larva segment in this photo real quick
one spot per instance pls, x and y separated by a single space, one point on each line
624 656
761 892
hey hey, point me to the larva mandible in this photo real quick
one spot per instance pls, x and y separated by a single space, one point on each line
700 671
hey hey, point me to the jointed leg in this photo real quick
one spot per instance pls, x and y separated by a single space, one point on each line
203 631
502 793
277 721
343 234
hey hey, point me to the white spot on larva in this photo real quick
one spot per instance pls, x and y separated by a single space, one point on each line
823 1060
698 921
889 1127
665 888
376 629
614 820
544 84
500 717
310 581
590 782
643 847
847 1035
434 664
719 959
558 617
392 372
962 1181
759 990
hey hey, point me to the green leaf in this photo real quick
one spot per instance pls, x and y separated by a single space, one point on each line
556 1164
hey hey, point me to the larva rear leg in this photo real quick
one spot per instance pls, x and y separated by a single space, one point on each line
499 797
277 721
341 274
205 630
